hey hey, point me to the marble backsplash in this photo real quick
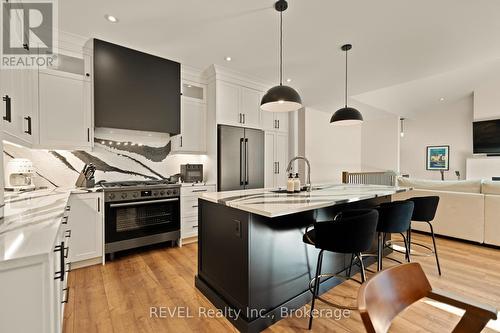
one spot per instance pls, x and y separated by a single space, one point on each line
118 155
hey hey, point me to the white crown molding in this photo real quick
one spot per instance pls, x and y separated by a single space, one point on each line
218 72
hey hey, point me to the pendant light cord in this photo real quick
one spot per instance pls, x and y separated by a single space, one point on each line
281 48
346 78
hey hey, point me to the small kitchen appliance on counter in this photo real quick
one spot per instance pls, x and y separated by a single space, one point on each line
192 173
19 175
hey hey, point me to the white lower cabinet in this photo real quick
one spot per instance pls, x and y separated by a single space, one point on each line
34 289
189 208
276 159
86 217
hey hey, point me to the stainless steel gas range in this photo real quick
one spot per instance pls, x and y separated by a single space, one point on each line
139 213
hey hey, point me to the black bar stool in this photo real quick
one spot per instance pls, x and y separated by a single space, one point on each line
425 211
351 232
394 218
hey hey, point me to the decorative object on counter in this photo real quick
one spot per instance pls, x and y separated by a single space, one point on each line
281 98
19 175
442 174
290 186
296 183
346 115
438 158
290 165
192 173
86 177
457 173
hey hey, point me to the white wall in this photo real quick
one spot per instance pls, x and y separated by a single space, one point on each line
449 124
330 149
487 100
380 143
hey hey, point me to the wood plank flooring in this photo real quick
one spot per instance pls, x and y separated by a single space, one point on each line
117 297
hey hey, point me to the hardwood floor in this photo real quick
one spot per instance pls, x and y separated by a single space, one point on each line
117 297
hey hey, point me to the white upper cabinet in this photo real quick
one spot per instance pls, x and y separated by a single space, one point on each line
237 105
250 107
51 107
65 112
192 138
228 103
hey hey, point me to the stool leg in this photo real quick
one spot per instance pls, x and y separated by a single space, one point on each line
408 235
362 267
380 250
435 248
350 265
407 251
316 286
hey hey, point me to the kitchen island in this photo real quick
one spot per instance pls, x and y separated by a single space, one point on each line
252 263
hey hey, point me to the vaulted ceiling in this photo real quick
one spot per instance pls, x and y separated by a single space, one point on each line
395 41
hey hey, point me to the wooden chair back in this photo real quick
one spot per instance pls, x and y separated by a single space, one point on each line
391 291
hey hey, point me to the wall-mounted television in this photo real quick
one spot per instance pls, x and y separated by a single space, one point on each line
486 136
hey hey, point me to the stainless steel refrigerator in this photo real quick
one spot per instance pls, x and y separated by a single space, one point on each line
240 158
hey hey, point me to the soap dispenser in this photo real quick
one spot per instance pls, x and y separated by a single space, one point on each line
296 183
290 184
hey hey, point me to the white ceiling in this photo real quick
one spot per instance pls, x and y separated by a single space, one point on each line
395 41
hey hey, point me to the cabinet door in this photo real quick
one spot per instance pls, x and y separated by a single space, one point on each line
228 103
192 138
267 121
270 162
250 107
65 111
281 156
281 119
85 223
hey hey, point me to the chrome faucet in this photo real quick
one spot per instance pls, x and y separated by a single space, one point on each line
289 168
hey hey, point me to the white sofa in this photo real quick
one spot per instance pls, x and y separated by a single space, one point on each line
467 210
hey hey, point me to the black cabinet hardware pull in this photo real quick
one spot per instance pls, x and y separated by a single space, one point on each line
246 162
194 206
181 140
68 208
68 233
59 275
88 134
278 123
28 119
195 226
8 114
241 160
278 167
98 204
65 220
244 120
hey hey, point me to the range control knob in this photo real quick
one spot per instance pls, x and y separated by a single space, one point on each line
135 194
124 195
155 194
169 192
111 195
162 192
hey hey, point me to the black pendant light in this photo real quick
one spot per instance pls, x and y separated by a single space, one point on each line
281 98
346 115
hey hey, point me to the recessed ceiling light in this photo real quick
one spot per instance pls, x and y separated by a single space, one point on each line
228 58
189 86
111 18
288 80
441 99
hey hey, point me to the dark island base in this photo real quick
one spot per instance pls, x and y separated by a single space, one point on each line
258 267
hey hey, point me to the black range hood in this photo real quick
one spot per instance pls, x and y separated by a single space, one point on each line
135 90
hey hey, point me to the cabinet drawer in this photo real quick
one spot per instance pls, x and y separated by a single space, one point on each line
189 206
189 227
196 190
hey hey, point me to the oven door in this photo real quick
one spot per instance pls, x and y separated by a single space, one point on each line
134 219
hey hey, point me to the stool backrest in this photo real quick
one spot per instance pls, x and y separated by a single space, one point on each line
394 217
391 291
425 208
352 232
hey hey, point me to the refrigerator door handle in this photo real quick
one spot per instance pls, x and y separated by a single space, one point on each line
241 161
246 162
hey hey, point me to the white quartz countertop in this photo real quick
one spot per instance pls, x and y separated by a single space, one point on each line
268 203
31 221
